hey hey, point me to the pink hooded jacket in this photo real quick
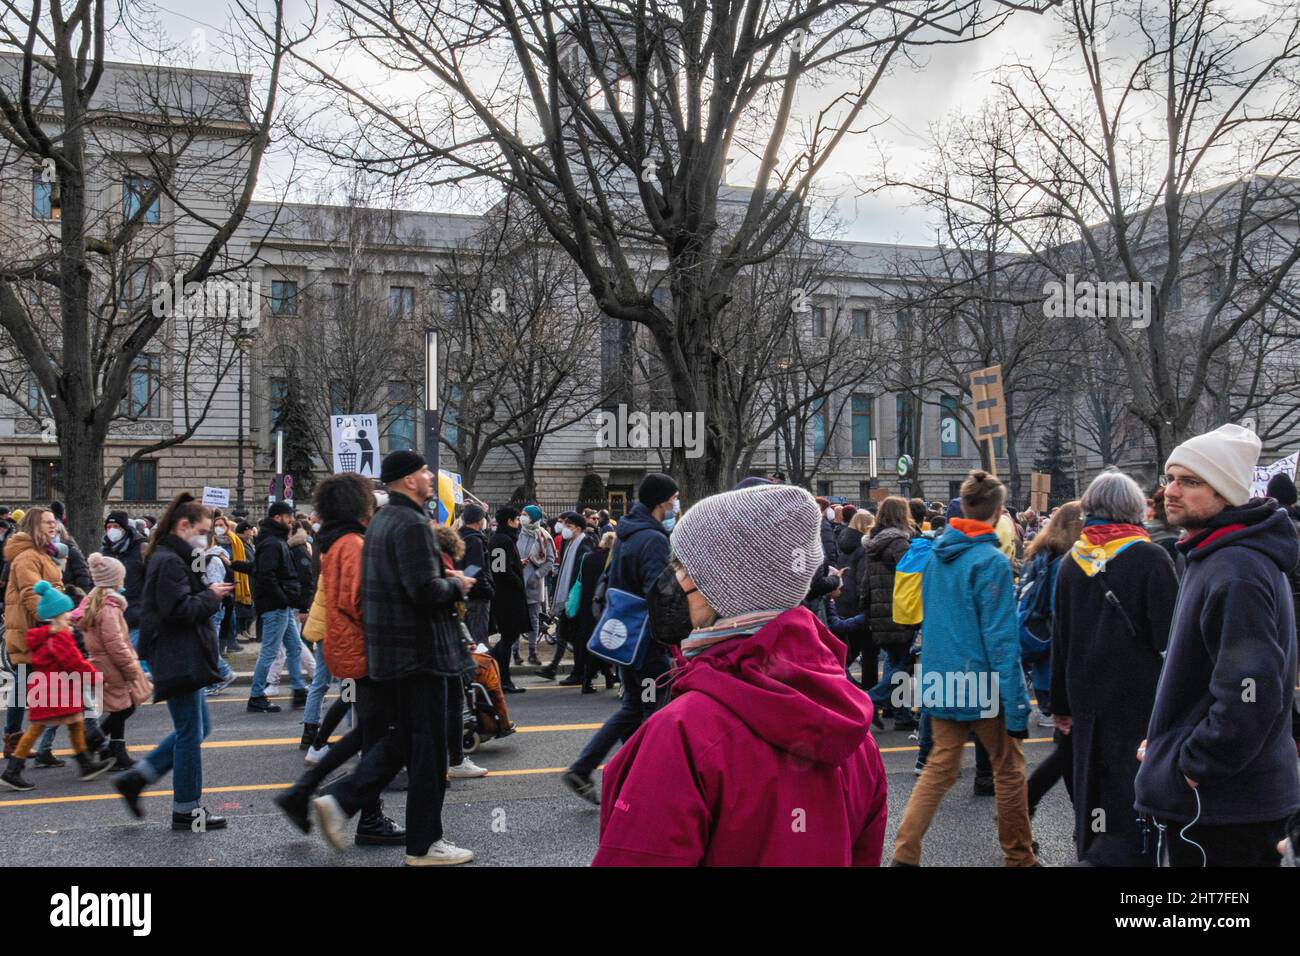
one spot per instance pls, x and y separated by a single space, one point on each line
764 757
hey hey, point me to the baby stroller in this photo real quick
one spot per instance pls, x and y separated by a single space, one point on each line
484 716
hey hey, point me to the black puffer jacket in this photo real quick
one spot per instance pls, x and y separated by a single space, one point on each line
883 550
176 633
851 557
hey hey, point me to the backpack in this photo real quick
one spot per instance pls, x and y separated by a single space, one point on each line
1035 607
907 581
622 633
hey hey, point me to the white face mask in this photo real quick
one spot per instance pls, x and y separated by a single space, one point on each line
114 534
830 514
315 527
566 532
199 541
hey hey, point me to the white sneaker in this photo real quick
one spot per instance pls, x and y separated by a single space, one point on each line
441 853
465 770
332 820
1045 721
316 754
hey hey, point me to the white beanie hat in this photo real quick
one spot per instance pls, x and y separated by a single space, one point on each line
1225 458
752 550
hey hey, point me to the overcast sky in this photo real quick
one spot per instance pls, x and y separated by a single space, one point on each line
952 79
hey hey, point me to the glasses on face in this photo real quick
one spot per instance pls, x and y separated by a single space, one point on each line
1187 484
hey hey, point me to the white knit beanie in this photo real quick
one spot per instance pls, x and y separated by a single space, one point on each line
751 550
1225 458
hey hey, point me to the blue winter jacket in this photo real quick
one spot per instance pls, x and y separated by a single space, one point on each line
641 552
969 640
1222 714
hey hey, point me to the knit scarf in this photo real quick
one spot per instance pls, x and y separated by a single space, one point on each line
725 629
243 592
1100 543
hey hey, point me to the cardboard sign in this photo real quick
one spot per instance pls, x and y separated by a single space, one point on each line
356 444
1041 485
216 497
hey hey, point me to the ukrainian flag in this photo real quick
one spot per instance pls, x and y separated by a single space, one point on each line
450 493
907 582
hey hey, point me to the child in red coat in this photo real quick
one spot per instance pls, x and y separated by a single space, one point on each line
58 672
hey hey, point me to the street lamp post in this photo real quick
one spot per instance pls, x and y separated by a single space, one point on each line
431 437
244 342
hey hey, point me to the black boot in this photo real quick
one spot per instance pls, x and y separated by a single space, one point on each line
984 787
547 671
91 767
375 829
197 820
262 705
300 698
308 736
46 758
295 804
96 740
120 756
11 743
13 776
130 785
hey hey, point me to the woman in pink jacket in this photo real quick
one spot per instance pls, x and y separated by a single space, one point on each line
108 645
764 756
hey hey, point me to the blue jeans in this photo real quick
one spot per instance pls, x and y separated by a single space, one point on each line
278 626
179 752
633 711
134 635
319 685
1041 674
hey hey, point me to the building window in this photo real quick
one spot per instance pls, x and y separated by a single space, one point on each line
401 301
450 430
905 324
862 427
954 490
339 399
47 479
819 426
134 191
861 323
35 400
949 435
279 391
399 418
1217 277
135 285
908 418
284 297
451 305
819 323
864 491
144 399
823 488
42 197
140 481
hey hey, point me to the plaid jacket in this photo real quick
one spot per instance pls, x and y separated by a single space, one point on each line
407 605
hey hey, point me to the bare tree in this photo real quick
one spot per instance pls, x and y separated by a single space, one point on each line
617 120
81 125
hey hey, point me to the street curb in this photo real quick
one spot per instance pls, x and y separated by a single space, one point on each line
245 678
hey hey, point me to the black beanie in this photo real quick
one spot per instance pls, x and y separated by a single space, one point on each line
398 464
472 514
655 489
1282 490
279 508
119 518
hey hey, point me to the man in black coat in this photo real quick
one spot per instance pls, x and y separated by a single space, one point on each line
1218 767
578 542
414 659
509 598
123 543
479 615
276 593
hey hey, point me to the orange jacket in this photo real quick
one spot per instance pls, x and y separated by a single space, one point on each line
344 646
27 565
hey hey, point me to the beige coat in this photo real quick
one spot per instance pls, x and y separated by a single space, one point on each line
27 565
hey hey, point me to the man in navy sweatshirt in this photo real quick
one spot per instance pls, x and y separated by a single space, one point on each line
1218 753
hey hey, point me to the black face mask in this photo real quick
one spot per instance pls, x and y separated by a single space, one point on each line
669 608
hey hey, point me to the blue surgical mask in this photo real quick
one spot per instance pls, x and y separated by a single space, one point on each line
122 590
669 521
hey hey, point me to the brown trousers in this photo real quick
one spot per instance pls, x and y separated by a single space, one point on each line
942 769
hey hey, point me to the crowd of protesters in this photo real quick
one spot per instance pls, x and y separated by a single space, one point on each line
757 635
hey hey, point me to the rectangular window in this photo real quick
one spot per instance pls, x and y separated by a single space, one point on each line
401 301
823 488
47 479
907 416
279 389
134 191
862 425
819 323
861 323
399 418
864 491
144 399
284 297
135 285
140 481
949 434
450 414
35 400
1217 277
819 428
339 399
451 305
43 197
905 324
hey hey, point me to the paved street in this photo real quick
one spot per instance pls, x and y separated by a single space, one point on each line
248 757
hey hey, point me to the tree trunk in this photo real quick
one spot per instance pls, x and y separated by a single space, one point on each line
82 450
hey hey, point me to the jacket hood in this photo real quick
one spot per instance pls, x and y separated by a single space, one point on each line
850 540
786 683
953 543
331 531
638 519
298 539
878 543
17 544
1266 528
